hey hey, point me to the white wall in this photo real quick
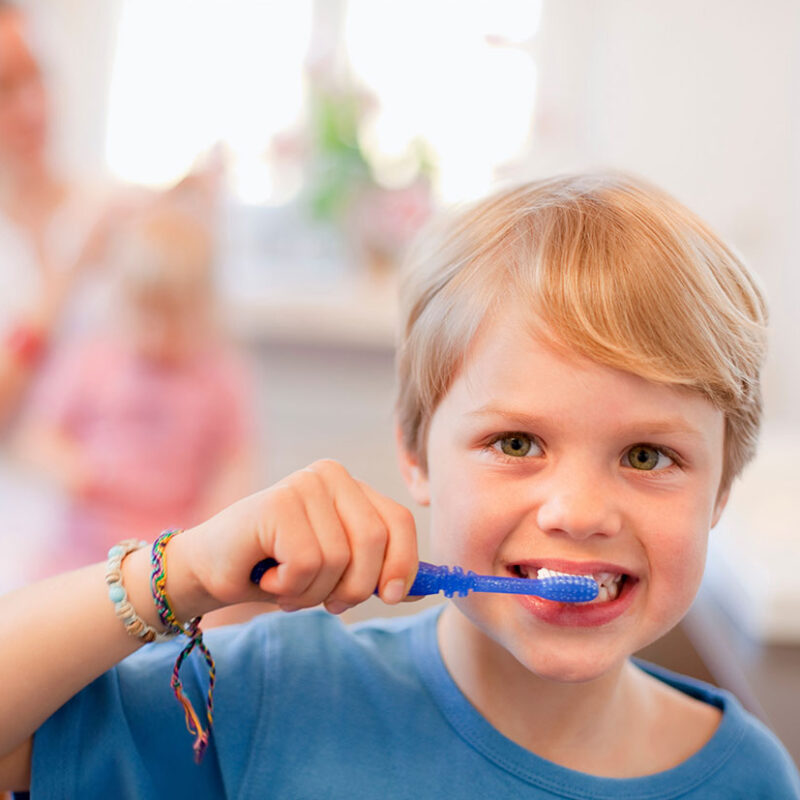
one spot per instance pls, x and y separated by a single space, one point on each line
76 43
701 98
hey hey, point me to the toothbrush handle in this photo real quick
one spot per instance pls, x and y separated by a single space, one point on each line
430 578
259 569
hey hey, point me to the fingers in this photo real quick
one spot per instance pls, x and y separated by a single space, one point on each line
336 540
400 560
308 542
367 535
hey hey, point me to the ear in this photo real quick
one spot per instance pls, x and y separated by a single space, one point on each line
414 475
719 506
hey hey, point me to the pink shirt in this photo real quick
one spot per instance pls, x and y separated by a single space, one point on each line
152 435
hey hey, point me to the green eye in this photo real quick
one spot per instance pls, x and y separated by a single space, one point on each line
644 457
516 445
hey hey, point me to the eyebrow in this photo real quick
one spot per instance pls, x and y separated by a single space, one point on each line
664 425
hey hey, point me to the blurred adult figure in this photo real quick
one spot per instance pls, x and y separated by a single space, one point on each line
51 229
45 221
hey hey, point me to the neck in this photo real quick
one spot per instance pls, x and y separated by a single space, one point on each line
576 725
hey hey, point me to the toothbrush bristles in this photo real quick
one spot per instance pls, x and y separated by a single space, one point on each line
568 588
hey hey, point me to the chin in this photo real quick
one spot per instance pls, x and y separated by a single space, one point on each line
570 657
567 664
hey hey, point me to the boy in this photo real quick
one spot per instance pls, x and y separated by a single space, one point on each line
578 389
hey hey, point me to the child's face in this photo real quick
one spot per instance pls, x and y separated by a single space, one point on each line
165 327
539 459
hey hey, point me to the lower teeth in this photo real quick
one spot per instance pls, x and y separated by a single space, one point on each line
607 593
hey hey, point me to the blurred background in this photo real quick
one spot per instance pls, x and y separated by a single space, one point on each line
312 138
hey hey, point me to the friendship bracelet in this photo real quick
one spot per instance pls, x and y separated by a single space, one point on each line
158 583
133 623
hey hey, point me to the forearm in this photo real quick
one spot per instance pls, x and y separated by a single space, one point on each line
60 634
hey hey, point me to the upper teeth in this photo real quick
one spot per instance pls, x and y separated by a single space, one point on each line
551 573
608 582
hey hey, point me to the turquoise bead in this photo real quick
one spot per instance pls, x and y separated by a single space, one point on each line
115 551
116 592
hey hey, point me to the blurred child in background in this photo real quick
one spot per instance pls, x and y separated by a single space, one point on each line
147 425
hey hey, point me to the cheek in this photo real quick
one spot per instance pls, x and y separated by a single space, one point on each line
681 563
469 519
677 560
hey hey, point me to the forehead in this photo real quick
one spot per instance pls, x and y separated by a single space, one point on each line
514 368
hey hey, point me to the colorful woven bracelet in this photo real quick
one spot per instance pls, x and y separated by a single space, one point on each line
158 583
133 623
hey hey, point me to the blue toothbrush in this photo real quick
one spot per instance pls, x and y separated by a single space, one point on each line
432 579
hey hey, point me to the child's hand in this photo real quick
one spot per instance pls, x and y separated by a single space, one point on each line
335 538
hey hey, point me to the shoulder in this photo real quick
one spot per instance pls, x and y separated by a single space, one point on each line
742 753
90 352
761 756
79 370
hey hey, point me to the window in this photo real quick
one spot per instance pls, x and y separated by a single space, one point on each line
455 79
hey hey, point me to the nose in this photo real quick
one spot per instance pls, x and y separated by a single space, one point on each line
579 502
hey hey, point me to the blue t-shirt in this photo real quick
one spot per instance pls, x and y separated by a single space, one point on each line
306 707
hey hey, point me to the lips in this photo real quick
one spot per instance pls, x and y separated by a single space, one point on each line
617 585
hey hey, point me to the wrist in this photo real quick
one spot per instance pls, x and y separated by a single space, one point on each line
187 594
26 342
187 597
136 576
187 602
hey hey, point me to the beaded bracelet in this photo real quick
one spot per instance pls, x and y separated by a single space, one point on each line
158 583
133 623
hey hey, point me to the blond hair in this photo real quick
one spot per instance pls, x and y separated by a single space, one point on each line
165 251
615 269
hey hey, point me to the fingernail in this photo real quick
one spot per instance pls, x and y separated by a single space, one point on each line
394 590
289 609
337 607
